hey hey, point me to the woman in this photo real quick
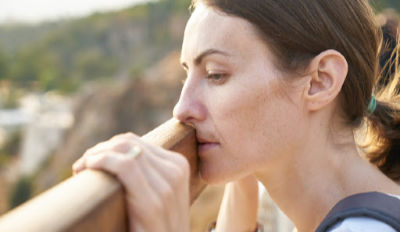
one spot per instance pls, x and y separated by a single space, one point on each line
275 90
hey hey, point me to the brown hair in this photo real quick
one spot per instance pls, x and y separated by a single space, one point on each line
297 31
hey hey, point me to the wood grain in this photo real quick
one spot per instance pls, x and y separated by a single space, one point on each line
93 200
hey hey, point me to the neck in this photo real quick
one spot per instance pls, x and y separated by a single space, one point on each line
315 178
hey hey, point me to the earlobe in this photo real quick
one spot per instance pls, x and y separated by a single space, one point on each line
329 71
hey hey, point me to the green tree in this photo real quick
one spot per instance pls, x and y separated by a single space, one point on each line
382 4
21 192
3 65
93 64
96 47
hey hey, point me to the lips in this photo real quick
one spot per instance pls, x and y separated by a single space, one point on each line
205 144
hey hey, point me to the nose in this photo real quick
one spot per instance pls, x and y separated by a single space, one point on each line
190 108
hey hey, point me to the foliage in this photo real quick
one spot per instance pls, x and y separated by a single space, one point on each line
17 36
101 46
10 147
382 4
21 192
3 65
63 55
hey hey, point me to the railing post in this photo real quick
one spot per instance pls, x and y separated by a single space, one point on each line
94 201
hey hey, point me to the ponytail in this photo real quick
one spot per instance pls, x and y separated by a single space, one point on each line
383 124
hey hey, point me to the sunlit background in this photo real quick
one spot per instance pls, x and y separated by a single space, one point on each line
76 72
27 11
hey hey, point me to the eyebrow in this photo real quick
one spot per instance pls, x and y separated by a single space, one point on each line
199 58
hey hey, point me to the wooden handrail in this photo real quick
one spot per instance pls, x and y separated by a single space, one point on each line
93 200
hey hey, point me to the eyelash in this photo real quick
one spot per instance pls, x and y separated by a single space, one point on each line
216 77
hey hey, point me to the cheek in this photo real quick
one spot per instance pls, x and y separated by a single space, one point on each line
250 108
248 117
256 124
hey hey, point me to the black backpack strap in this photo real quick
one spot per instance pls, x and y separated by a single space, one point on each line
375 205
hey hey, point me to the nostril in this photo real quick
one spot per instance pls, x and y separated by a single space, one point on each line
181 116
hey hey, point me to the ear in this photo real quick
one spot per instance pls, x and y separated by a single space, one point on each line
328 73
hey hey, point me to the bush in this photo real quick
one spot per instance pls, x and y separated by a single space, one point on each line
21 192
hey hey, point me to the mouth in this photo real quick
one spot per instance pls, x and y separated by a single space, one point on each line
205 145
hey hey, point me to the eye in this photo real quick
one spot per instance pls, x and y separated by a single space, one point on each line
217 77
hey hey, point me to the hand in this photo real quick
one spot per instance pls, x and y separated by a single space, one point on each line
238 210
156 181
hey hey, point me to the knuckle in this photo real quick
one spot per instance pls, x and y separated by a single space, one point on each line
157 206
178 175
122 146
167 193
183 164
123 142
128 135
94 149
90 151
122 136
125 170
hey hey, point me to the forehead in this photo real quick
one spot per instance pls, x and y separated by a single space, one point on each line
209 28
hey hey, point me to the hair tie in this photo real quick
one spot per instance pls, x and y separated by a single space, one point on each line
372 105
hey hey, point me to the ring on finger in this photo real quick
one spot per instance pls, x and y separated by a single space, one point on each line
134 152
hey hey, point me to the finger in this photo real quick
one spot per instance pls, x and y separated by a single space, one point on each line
142 199
165 154
118 143
123 142
109 161
171 165
128 135
79 165
98 148
159 185
155 170
146 181
176 190
153 167
165 168
126 169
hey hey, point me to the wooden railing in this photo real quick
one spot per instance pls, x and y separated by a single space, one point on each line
94 201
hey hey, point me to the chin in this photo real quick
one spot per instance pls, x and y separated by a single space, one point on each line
213 175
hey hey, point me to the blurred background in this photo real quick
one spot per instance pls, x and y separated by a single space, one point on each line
74 73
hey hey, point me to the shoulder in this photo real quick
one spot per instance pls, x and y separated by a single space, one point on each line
356 224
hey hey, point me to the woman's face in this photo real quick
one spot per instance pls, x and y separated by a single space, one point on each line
246 115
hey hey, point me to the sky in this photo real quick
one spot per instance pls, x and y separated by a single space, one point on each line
34 11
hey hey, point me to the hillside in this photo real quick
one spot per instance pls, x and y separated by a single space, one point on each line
99 63
63 55
381 4
121 71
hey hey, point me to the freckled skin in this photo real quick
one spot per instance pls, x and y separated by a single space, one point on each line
250 113
286 130
250 118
